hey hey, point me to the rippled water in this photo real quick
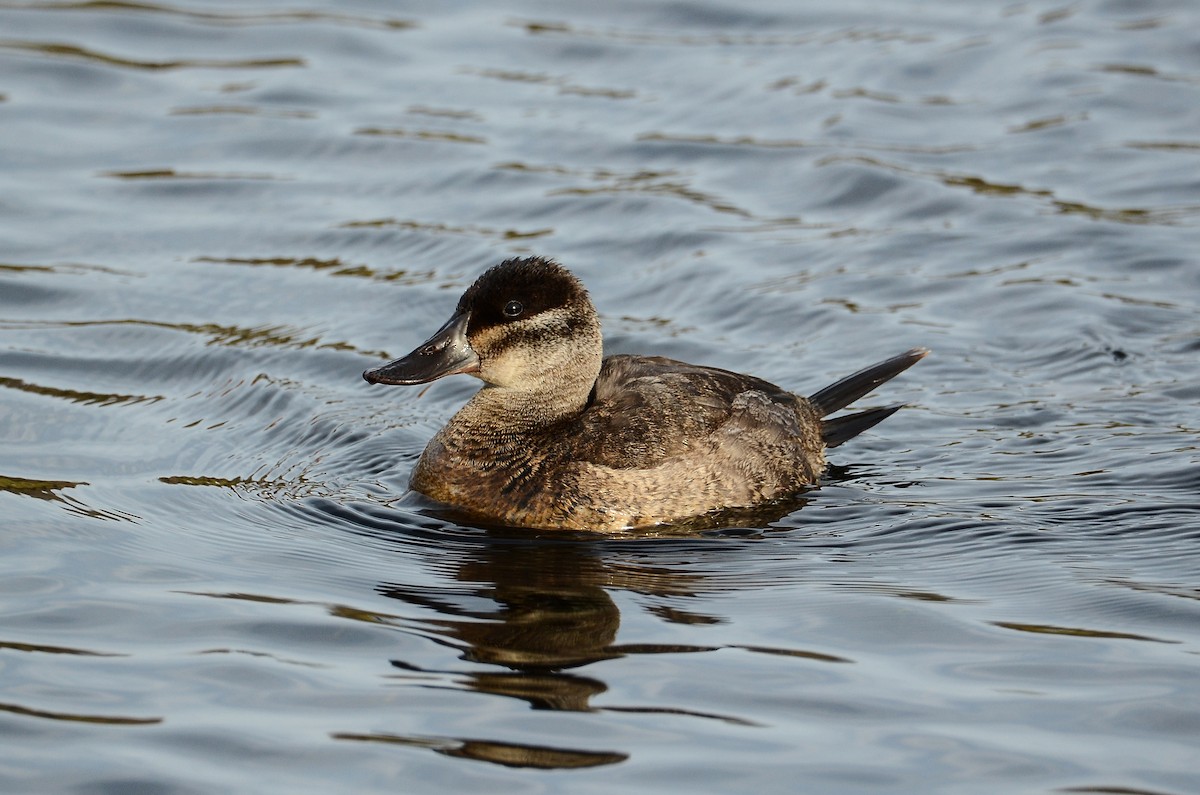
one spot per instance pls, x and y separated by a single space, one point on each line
213 216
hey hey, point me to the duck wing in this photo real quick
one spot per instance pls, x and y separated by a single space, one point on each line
646 409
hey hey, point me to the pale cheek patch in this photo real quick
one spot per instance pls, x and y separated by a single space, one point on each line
508 369
522 366
515 354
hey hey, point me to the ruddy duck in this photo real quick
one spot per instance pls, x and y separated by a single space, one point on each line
560 437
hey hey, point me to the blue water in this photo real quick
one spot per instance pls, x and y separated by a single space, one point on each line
214 216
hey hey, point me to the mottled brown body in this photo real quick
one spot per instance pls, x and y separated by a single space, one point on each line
660 440
560 439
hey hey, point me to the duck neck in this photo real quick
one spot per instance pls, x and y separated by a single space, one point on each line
503 412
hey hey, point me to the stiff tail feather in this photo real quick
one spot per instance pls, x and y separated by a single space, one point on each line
842 393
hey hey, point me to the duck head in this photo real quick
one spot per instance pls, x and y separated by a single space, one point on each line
525 325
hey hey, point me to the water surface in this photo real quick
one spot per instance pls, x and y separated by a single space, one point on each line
214 216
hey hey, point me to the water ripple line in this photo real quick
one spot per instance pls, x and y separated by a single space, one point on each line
75 52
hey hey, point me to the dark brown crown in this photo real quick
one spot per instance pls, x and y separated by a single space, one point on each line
536 283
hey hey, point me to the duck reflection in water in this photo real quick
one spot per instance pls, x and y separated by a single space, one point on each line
551 611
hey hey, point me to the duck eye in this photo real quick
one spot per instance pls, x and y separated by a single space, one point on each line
513 309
